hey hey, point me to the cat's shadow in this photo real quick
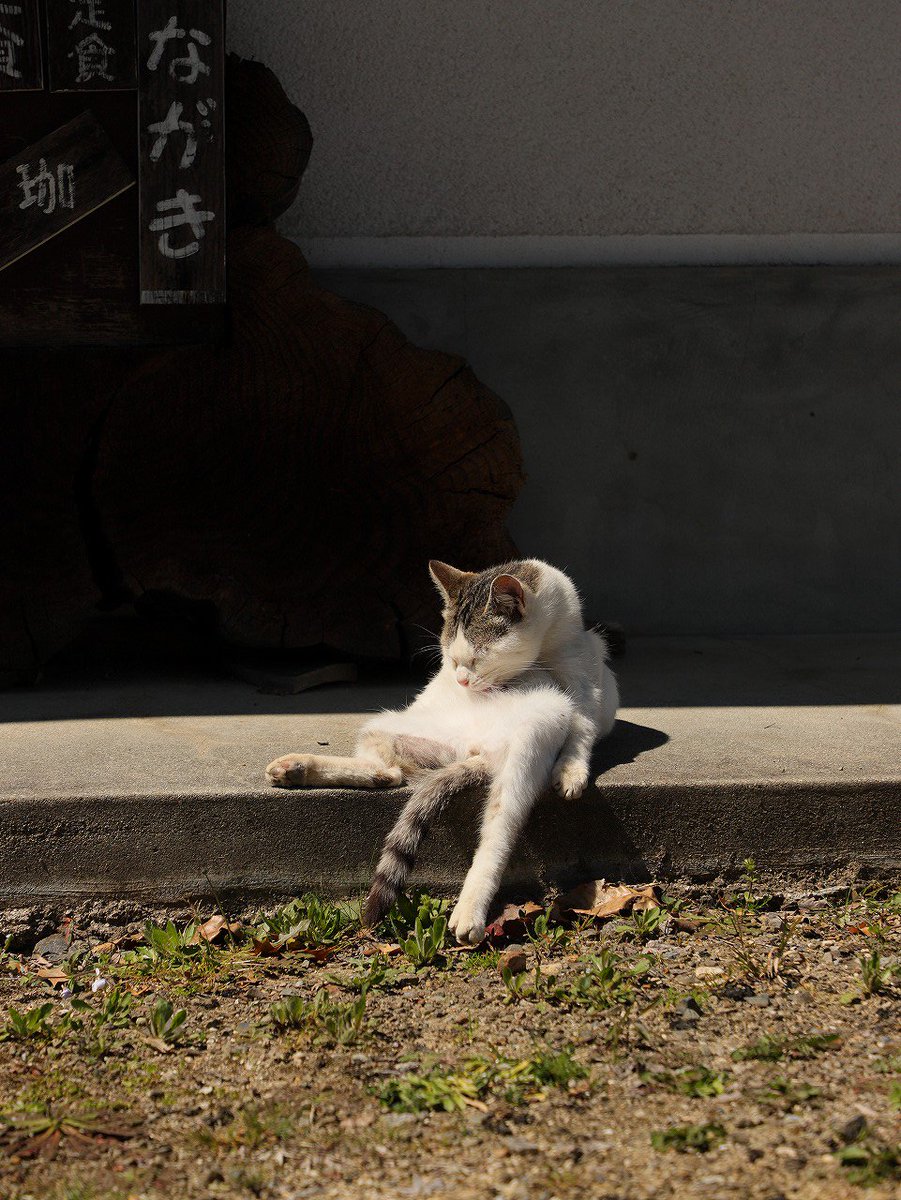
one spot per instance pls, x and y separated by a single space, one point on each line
624 745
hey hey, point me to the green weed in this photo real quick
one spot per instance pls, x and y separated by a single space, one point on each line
479 960
401 921
869 1162
373 974
33 1024
426 941
876 977
252 1128
787 1094
306 923
327 1021
688 1138
165 1023
697 1081
545 935
516 1081
605 981
772 1049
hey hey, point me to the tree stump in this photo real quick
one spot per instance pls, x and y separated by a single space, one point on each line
290 484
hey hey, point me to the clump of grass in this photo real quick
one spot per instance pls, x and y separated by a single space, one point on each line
545 934
788 1094
695 1081
306 923
427 940
252 1128
747 899
688 1138
772 1049
419 906
32 1024
328 1022
605 981
373 974
166 1025
517 1081
479 960
876 976
869 1162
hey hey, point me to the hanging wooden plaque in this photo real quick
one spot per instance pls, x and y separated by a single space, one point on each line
91 45
55 183
181 164
21 69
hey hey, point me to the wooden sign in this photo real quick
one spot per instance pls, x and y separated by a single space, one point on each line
181 68
20 47
54 183
91 45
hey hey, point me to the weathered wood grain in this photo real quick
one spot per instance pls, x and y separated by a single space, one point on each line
21 65
181 170
91 45
56 182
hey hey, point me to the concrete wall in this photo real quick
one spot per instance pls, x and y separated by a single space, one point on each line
709 450
590 119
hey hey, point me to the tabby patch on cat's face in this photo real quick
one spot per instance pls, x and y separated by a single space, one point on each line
486 617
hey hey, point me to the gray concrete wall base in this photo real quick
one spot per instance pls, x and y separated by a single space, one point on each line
175 848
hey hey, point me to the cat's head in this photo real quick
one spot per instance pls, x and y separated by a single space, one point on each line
491 628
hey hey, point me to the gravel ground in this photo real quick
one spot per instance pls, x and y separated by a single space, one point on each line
742 1042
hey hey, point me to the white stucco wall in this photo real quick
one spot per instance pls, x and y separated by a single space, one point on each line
556 123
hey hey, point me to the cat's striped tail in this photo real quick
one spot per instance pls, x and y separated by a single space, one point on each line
431 792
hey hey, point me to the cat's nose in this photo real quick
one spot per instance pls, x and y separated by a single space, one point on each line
463 682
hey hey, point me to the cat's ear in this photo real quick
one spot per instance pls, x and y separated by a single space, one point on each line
448 580
508 595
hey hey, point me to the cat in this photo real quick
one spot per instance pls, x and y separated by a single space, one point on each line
522 694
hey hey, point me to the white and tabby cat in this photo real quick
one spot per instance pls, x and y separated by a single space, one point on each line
523 693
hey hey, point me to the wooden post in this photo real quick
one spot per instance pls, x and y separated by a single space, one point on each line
181 68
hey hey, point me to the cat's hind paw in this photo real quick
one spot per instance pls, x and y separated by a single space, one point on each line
289 771
467 926
570 779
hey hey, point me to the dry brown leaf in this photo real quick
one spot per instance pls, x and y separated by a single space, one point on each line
600 899
267 948
214 928
53 975
514 920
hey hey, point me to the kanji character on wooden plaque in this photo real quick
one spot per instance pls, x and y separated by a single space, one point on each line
91 45
21 68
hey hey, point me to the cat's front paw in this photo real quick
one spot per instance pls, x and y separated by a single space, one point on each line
467 925
288 771
570 779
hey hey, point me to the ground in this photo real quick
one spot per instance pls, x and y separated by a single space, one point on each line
734 1042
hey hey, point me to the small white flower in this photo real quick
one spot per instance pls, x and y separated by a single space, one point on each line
98 983
66 993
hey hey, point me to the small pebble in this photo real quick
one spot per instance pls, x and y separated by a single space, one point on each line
759 1000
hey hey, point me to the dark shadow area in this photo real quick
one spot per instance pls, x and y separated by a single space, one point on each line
128 666
624 745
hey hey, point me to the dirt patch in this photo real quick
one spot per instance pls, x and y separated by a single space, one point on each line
736 1045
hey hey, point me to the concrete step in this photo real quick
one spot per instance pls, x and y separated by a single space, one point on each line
785 749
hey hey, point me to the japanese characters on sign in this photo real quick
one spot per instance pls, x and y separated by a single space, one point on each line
92 45
56 182
21 69
182 152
